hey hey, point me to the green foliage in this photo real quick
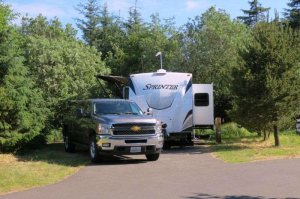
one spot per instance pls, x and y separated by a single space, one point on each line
293 13
232 130
211 45
255 14
54 136
254 69
62 67
88 25
22 114
43 68
266 87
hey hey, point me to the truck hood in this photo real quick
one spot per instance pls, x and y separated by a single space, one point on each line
113 119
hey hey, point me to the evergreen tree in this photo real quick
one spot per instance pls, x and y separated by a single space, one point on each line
266 88
109 33
255 14
22 108
91 21
134 16
293 13
210 46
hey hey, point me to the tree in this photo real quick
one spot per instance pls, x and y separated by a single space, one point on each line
255 14
91 12
62 67
210 45
293 13
134 16
266 88
22 110
109 33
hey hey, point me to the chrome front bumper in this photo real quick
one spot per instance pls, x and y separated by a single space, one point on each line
146 144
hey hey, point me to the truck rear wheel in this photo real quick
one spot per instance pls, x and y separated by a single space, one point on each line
69 146
93 149
152 157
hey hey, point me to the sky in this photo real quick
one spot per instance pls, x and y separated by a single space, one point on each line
181 10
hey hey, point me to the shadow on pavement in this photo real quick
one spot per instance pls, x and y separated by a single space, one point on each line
55 154
119 160
196 149
208 196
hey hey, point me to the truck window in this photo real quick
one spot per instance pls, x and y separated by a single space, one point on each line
201 99
120 107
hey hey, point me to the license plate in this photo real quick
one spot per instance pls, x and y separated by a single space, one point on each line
135 149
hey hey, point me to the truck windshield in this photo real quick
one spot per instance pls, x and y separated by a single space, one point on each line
116 107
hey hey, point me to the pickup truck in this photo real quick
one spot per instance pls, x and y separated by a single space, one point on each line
111 127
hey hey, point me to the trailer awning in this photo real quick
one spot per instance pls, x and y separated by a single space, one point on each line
119 80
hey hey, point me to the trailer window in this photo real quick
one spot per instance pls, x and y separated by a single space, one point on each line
201 99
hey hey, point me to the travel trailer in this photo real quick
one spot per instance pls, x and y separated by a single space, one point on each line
173 99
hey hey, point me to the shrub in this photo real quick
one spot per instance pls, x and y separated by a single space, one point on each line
232 130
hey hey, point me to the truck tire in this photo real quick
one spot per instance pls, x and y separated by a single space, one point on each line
93 150
167 145
152 157
69 146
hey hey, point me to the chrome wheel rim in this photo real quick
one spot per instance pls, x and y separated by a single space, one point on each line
67 142
92 149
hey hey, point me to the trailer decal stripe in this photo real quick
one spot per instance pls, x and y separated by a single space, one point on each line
189 85
187 115
131 86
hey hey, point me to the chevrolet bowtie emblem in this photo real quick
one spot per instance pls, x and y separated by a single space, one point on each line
135 128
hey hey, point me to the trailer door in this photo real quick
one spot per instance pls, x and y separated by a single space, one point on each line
203 106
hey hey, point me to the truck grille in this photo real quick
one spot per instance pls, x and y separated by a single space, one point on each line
116 132
133 129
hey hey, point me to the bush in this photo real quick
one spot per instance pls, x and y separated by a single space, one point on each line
55 135
228 130
12 141
233 130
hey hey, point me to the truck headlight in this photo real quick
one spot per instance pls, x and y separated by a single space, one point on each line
103 129
158 127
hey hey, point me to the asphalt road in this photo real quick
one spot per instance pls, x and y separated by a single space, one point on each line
179 173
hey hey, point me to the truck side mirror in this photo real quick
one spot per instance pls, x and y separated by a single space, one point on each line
149 111
79 112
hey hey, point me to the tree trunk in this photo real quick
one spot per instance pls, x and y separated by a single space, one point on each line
218 130
276 136
265 135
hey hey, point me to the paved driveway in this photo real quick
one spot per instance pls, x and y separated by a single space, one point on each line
179 173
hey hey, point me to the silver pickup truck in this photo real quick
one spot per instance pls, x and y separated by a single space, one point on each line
112 127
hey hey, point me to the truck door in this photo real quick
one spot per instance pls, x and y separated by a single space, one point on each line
203 106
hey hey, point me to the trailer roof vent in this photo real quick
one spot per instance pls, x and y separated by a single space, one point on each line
161 71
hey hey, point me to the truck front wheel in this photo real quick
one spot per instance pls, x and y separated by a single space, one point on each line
152 157
93 148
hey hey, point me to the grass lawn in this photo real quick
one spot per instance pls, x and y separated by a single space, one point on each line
39 167
252 148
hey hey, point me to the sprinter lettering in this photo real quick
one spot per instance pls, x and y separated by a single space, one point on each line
160 86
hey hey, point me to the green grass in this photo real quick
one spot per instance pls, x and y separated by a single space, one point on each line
39 167
252 148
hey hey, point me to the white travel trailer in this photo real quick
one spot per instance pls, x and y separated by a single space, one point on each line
173 99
